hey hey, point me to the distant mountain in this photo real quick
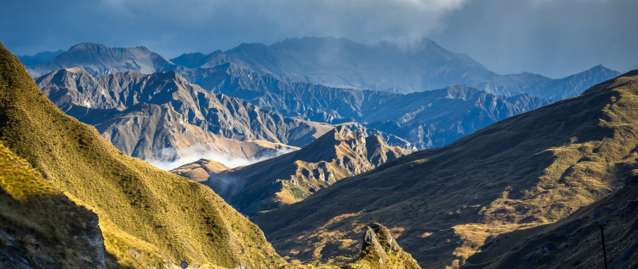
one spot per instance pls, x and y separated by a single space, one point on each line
425 119
424 66
39 58
338 62
533 169
163 117
99 59
552 89
69 199
345 151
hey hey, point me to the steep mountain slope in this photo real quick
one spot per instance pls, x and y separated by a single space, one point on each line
69 199
163 117
99 59
426 119
345 151
343 63
149 218
574 242
532 169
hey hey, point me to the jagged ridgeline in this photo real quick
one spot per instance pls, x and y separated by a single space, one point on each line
70 200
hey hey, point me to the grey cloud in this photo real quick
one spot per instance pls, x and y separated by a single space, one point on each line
553 37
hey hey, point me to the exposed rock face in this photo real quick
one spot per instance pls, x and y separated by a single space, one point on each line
345 151
530 170
163 117
99 59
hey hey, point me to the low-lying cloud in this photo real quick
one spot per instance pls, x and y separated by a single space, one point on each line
194 153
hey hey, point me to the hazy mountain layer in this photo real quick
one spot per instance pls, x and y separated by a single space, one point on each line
163 117
148 218
99 59
533 169
540 86
387 67
345 151
344 63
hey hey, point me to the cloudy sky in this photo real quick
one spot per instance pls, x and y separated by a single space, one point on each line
552 37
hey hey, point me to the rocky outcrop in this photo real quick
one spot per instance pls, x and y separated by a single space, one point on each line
379 249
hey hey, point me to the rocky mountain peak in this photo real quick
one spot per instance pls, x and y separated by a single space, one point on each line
345 151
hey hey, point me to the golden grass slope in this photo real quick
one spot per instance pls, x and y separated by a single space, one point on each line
574 242
149 218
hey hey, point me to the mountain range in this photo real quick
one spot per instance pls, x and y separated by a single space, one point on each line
163 117
425 119
342 63
69 199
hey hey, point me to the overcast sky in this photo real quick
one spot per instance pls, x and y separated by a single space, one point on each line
551 37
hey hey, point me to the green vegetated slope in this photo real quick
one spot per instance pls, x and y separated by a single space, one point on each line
533 169
66 188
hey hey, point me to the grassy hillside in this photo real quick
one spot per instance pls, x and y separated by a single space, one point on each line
148 217
533 169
